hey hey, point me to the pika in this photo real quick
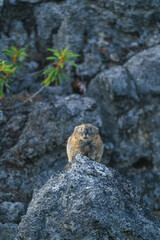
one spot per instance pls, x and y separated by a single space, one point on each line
87 141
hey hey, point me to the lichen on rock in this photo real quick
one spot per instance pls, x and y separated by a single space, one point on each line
88 201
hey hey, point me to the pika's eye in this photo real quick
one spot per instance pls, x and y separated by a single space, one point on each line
81 129
91 130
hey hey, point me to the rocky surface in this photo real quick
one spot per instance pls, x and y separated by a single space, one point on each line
128 96
8 231
36 137
88 201
38 24
118 42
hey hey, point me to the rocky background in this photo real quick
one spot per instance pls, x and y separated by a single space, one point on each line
115 87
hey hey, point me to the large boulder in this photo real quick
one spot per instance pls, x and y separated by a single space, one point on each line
128 98
88 201
33 145
144 70
8 231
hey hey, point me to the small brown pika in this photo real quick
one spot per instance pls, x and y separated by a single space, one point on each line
87 141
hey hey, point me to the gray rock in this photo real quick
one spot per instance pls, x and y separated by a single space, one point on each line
56 124
144 69
48 19
13 2
30 1
113 89
18 34
130 114
71 26
2 117
128 96
1 3
89 67
147 181
88 201
8 231
77 24
11 212
33 145
11 130
117 82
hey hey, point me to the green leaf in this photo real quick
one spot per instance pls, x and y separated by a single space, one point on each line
46 82
51 58
54 75
14 49
65 75
8 52
23 49
2 79
60 77
1 89
48 70
23 54
74 64
61 51
65 50
6 84
56 53
72 55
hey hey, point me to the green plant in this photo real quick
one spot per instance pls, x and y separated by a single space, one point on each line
53 73
5 70
17 55
8 68
58 59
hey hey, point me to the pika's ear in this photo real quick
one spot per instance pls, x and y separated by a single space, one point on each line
97 129
75 129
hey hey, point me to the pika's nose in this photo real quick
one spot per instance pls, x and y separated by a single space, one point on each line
86 132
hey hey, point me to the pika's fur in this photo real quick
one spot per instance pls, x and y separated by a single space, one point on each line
87 141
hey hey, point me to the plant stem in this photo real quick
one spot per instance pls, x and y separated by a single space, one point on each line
27 100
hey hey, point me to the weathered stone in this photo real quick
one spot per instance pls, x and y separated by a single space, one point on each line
128 97
48 18
13 2
144 69
147 181
55 120
2 117
1 5
77 24
129 125
88 201
8 231
30 1
128 94
11 212
90 67
113 89
18 34
1 2
35 139
11 131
